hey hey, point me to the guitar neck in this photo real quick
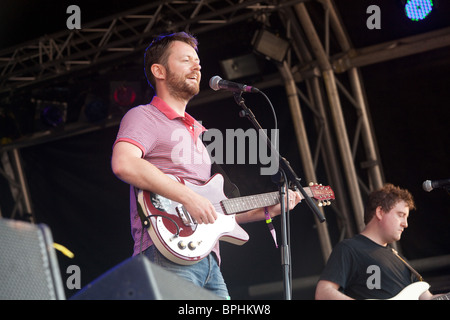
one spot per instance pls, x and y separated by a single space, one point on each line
242 204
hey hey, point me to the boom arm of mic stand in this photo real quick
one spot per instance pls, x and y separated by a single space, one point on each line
295 180
283 163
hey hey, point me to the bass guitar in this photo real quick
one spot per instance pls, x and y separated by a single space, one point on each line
180 239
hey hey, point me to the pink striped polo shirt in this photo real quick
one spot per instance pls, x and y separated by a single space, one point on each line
171 143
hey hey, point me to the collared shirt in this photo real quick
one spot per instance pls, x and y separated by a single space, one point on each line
171 143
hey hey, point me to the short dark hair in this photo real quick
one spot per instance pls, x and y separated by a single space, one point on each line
158 51
386 198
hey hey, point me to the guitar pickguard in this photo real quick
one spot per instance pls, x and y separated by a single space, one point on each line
160 203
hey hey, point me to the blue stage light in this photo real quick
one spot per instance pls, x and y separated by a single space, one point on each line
417 10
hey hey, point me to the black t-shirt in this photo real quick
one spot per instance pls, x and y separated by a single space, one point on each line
365 270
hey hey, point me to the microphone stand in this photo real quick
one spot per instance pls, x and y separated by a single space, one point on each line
285 170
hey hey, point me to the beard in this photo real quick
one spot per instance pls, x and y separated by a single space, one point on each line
181 87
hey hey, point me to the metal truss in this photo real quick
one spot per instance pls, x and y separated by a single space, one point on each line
113 38
13 172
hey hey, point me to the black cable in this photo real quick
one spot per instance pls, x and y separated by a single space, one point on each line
162 216
273 109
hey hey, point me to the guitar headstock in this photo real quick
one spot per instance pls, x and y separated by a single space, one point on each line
323 194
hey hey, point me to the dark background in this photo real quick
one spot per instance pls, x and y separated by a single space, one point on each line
74 191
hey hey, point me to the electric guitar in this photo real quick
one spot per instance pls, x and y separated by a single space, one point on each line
415 290
178 236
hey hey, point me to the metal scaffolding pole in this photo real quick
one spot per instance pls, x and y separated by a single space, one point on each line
374 165
315 102
330 158
336 112
15 175
305 151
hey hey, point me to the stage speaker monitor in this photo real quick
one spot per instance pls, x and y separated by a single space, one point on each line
29 268
137 278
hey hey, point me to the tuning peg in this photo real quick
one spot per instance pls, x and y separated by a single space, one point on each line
324 203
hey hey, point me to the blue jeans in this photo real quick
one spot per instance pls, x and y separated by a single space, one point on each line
205 273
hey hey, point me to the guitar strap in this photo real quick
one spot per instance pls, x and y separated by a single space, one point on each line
230 189
408 265
144 219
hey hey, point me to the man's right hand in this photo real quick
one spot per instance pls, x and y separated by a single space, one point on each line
200 208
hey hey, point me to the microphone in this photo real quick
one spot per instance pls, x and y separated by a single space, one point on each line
217 83
429 185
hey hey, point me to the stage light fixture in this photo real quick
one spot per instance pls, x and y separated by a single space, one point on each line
240 67
96 109
125 96
417 10
270 45
52 114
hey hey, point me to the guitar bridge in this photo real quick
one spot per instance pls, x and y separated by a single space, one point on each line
185 217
